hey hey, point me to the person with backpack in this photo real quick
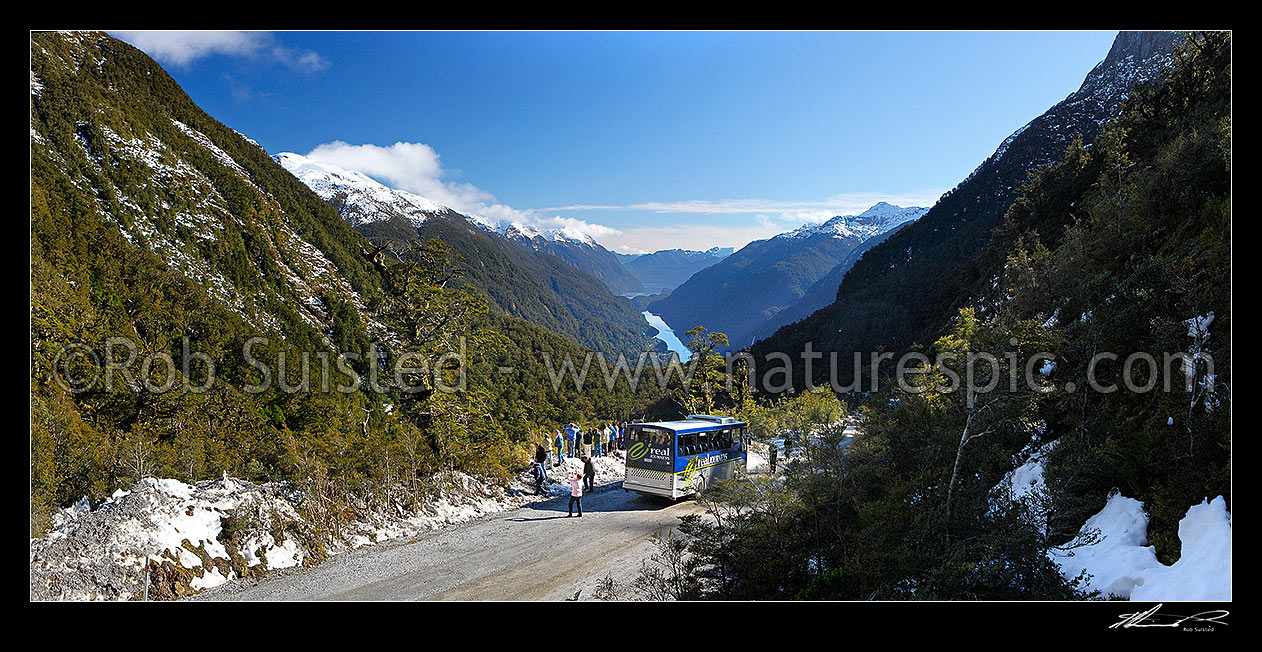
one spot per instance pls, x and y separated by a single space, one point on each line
576 494
559 441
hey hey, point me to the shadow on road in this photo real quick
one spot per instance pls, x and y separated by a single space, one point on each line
605 498
541 518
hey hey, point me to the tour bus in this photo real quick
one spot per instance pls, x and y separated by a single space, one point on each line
680 458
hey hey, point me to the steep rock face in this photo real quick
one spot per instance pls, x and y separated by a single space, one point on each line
904 288
740 293
519 274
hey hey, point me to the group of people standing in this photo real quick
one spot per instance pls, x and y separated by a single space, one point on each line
572 441
575 442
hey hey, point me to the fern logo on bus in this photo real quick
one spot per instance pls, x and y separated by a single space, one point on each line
638 450
689 471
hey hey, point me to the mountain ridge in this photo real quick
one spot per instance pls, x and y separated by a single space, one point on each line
740 293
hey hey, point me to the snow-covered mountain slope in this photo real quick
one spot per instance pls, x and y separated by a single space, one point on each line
365 202
880 218
514 230
359 198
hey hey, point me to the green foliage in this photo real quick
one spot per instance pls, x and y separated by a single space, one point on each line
798 413
104 224
1112 249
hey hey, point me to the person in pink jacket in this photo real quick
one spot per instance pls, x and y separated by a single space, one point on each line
576 493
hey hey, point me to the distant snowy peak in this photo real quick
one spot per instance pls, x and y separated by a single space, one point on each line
360 198
560 235
881 218
712 252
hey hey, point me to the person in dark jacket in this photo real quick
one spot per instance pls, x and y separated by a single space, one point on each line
772 455
589 473
541 457
539 475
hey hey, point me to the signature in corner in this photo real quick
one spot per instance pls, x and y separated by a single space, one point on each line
1151 618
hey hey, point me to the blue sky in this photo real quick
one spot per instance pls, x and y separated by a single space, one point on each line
646 140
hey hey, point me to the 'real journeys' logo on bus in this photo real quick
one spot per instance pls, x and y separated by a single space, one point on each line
651 449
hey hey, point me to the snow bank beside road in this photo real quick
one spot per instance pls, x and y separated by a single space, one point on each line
203 535
1121 562
178 528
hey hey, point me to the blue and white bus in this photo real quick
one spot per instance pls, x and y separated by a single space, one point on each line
680 458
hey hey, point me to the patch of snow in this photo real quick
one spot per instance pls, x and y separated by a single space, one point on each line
1122 563
364 200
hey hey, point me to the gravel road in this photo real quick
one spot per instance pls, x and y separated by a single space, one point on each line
531 553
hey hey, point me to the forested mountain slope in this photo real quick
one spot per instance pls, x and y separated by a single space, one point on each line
152 222
1108 472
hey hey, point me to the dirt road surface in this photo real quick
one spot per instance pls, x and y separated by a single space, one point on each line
531 553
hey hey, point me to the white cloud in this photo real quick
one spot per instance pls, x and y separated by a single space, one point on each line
596 231
304 60
180 48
